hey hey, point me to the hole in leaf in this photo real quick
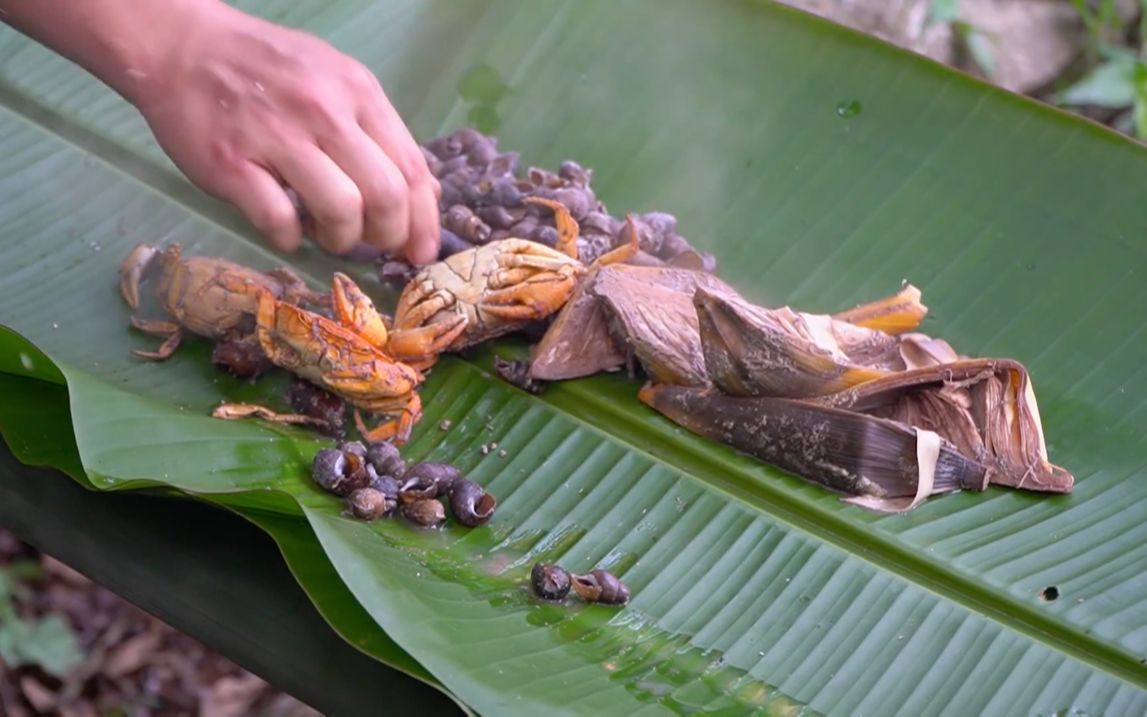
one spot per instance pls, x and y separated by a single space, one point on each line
1049 593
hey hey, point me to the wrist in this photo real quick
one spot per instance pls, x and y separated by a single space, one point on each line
142 43
127 44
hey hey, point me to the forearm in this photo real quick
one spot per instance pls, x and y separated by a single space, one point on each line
124 43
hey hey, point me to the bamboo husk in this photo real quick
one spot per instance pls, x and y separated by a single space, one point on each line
879 463
651 312
623 311
753 351
985 407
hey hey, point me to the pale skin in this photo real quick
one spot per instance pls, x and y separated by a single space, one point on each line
247 108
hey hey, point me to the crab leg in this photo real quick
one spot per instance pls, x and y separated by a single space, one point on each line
428 307
419 347
171 332
397 428
566 225
626 251
530 299
511 261
239 411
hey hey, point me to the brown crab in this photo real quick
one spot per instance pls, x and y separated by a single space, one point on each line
340 360
491 290
209 296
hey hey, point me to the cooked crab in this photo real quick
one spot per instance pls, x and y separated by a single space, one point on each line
340 360
209 296
491 290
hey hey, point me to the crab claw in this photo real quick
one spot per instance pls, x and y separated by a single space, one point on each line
566 225
626 251
356 311
131 272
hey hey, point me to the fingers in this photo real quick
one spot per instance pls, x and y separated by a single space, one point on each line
425 232
385 194
266 205
386 128
330 196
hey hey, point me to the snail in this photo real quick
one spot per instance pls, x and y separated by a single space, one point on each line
550 582
339 472
600 586
427 480
385 459
369 504
427 512
470 503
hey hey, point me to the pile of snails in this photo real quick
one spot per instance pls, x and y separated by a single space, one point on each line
482 192
377 483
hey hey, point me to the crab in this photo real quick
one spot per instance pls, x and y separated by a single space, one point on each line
208 296
491 290
336 358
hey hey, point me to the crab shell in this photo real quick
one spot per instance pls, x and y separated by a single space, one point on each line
341 361
490 290
208 296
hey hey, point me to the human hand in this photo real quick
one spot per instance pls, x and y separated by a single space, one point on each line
245 107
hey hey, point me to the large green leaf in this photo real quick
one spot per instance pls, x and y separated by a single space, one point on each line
821 167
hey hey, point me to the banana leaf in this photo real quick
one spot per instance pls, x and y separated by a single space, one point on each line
821 167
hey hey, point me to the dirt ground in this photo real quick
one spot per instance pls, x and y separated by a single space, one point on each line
107 657
111 658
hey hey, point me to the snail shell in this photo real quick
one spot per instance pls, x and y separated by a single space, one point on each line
355 447
470 503
386 485
429 513
385 459
550 582
369 504
427 480
339 472
600 586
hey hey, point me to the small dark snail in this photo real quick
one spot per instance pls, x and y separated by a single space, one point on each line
429 513
545 235
354 447
427 480
369 504
339 472
550 582
385 459
600 586
387 485
471 504
451 244
461 220
579 201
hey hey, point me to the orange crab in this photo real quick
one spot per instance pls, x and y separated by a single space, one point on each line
491 290
209 296
336 358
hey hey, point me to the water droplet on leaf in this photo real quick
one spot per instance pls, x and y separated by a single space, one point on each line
849 108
